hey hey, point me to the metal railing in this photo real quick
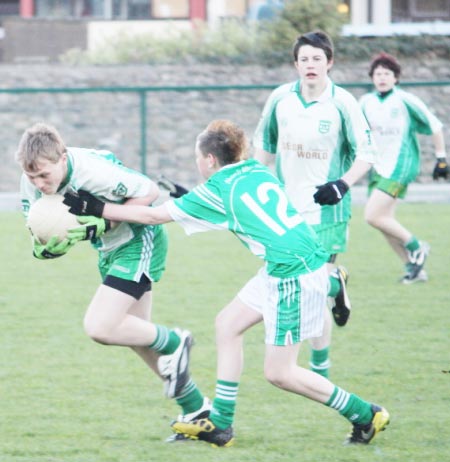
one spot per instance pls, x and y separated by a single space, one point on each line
142 92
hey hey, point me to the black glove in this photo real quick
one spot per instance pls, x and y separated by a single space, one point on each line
441 169
83 203
179 191
175 190
330 193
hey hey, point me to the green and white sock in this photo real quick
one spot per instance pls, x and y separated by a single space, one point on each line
335 286
319 361
222 412
351 406
190 399
413 244
166 342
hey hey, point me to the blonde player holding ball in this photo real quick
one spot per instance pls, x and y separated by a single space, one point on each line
242 195
131 257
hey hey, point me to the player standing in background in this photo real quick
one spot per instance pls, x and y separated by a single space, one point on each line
319 135
131 257
288 292
395 116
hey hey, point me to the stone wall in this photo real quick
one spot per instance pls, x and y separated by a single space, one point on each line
112 120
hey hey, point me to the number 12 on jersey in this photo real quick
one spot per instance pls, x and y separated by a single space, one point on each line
280 222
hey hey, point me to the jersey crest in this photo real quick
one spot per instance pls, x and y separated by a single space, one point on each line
120 190
324 126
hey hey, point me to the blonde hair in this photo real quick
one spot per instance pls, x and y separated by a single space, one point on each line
225 140
41 141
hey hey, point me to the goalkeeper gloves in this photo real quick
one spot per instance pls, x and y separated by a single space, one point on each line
441 169
53 248
330 193
84 204
92 228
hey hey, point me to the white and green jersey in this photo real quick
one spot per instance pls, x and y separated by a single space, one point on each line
314 143
395 119
247 199
104 176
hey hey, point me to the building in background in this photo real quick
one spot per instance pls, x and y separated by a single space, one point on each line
44 29
404 17
363 12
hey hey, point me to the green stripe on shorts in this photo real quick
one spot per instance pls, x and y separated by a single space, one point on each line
144 254
288 319
294 307
391 187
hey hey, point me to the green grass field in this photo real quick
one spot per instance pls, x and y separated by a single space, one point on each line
65 398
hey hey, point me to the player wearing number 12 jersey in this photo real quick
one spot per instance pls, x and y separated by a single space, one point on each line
247 199
288 293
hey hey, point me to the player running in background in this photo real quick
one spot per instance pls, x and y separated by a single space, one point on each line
131 257
318 134
395 117
288 293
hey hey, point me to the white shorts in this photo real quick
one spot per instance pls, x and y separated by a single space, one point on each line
292 308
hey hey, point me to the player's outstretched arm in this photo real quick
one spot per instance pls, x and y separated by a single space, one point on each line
84 203
137 214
